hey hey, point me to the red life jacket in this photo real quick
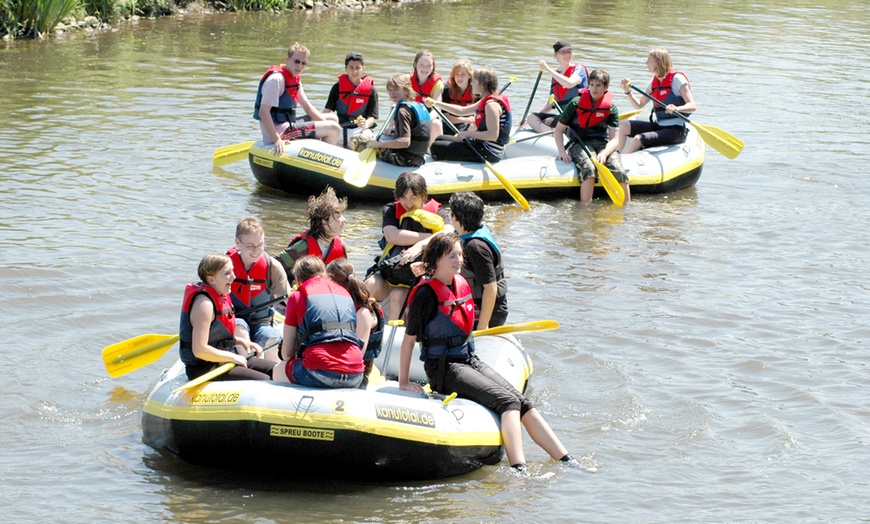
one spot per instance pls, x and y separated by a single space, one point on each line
589 115
335 252
565 94
448 334
222 331
431 206
287 102
465 98
504 120
660 89
426 89
251 283
353 100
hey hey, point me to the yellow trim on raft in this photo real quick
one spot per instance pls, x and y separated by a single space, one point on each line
324 421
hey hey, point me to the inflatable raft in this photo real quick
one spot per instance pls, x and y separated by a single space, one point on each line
308 166
380 433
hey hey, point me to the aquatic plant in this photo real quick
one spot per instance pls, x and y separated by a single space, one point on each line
33 18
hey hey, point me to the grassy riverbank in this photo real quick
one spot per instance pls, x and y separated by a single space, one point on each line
40 18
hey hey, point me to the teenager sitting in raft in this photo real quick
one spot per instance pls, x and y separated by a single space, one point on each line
207 327
441 316
491 128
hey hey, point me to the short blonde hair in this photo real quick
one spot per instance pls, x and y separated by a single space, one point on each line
298 48
402 81
663 61
248 225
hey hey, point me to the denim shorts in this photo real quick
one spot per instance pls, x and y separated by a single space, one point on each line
260 333
317 378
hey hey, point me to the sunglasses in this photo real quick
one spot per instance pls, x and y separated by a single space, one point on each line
297 61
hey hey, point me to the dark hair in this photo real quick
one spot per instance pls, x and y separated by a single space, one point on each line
413 181
340 271
600 75
355 57
468 210
307 267
487 79
439 245
321 208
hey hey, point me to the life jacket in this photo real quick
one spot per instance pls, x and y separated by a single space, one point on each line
662 90
376 335
564 94
330 315
426 89
304 244
448 334
353 100
477 287
591 118
423 220
221 333
465 98
287 102
504 122
419 126
251 287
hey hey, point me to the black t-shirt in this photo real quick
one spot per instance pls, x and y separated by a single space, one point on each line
421 310
479 266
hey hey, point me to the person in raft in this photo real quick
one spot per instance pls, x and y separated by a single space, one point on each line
427 83
567 81
320 347
353 100
258 280
592 119
323 236
369 316
279 94
483 266
408 224
490 131
671 88
458 92
207 327
440 317
409 129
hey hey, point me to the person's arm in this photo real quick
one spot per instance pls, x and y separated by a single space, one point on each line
437 90
403 237
452 109
487 304
288 345
365 321
280 283
492 111
402 139
559 137
331 100
612 143
689 106
201 317
566 81
405 365
636 102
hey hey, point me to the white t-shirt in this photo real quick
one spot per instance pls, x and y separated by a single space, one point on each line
272 90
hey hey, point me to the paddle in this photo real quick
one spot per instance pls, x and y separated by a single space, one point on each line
504 181
531 98
229 154
614 190
218 371
623 116
137 352
526 327
360 175
722 141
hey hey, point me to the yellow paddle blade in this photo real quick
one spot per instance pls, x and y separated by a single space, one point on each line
229 154
376 379
359 176
132 354
623 116
521 200
722 141
526 327
614 189
216 372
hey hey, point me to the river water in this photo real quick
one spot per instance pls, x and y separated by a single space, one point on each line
713 355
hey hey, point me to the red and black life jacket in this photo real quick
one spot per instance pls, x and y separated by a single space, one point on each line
504 122
353 99
424 90
448 334
591 118
222 332
287 102
251 287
